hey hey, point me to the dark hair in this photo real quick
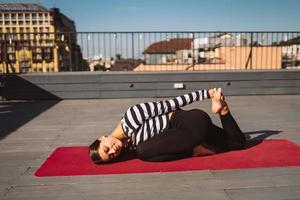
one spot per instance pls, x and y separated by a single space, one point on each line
93 152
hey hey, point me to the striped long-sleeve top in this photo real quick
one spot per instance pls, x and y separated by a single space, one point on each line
142 121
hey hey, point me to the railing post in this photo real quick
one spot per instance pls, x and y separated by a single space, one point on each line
249 59
251 47
132 42
5 53
70 52
193 49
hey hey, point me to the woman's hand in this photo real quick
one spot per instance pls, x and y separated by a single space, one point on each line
118 132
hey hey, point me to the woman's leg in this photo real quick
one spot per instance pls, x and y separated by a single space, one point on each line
188 129
234 137
170 145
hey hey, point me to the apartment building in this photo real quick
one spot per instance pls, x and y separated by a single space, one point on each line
36 39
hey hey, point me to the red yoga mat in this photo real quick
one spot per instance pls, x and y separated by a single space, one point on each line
71 161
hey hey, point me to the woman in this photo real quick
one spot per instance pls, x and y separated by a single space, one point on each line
161 131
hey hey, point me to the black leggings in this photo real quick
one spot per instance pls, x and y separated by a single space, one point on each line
189 129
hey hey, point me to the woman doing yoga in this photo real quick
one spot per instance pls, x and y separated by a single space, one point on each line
161 131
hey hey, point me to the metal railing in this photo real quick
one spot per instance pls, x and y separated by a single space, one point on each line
23 52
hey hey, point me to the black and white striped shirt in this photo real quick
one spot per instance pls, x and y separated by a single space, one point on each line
142 121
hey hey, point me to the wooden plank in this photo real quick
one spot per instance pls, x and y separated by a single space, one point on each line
245 173
127 94
78 94
262 91
30 143
55 87
274 193
149 92
61 78
198 76
152 85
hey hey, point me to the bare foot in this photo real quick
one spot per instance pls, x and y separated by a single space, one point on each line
216 100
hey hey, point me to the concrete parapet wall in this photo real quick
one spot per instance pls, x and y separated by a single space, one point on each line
93 85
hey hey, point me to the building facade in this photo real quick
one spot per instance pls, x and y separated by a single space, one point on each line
36 39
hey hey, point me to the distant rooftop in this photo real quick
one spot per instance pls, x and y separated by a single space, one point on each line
21 7
169 46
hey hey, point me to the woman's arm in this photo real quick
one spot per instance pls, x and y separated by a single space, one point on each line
137 114
118 132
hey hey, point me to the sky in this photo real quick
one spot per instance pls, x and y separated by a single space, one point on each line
179 15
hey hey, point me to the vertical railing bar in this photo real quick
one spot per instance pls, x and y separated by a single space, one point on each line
93 46
98 46
272 54
276 51
132 45
76 52
82 63
87 46
70 51
267 50
143 46
149 42
193 49
104 48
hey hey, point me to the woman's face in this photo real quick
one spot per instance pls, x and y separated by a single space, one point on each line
110 148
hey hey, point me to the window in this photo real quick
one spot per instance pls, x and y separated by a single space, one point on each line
20 16
27 16
11 57
46 16
34 16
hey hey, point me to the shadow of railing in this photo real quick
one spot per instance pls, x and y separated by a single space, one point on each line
17 106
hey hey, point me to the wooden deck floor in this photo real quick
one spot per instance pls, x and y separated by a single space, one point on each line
30 131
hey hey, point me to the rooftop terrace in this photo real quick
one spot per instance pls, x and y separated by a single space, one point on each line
31 130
